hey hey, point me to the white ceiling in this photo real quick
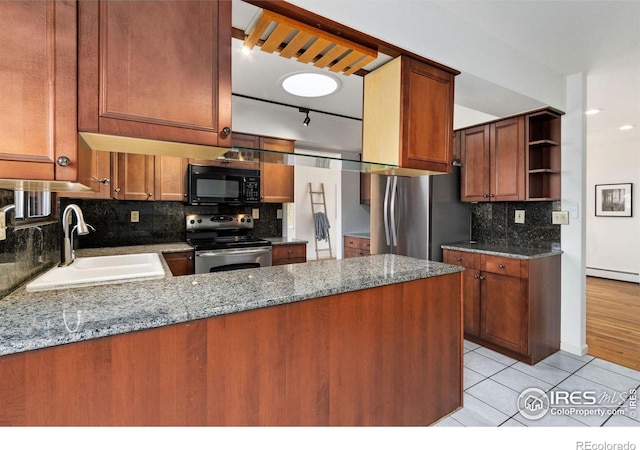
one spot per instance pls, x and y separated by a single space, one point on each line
598 38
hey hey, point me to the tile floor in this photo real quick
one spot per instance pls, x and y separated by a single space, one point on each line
493 382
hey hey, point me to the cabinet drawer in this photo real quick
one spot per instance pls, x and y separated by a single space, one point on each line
289 251
501 265
465 259
354 242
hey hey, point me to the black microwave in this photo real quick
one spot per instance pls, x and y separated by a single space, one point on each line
208 185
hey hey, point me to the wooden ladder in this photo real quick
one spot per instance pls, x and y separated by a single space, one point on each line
322 208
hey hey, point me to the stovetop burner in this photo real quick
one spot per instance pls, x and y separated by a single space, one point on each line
221 231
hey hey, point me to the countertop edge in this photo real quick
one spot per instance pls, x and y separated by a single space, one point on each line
535 253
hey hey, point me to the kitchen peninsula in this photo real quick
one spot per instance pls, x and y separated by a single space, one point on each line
365 341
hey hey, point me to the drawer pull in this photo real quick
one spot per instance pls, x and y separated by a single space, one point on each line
482 277
476 276
458 259
500 266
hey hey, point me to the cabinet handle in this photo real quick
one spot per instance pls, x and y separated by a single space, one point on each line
476 276
150 194
190 258
491 195
116 190
485 195
482 277
500 266
63 161
226 131
458 259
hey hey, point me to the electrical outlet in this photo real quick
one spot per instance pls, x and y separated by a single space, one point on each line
255 213
519 216
135 216
560 217
3 226
279 214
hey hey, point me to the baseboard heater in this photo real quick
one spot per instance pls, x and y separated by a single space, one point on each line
619 275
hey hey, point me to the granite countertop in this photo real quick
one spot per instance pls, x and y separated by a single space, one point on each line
285 240
33 320
502 250
365 235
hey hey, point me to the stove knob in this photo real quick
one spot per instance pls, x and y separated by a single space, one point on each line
199 220
213 219
248 219
192 221
241 220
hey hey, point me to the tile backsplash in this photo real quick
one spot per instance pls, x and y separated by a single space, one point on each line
26 251
159 222
494 223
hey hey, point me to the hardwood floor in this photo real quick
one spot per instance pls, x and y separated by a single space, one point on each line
613 321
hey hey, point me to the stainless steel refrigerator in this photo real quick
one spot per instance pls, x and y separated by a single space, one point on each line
414 216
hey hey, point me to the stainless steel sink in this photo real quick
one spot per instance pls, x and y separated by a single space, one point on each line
100 270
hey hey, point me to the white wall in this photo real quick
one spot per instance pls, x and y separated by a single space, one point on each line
355 217
613 243
303 218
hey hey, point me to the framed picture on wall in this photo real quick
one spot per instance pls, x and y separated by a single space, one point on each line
613 200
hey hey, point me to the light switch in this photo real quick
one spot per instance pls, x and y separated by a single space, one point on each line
255 213
519 215
560 218
135 216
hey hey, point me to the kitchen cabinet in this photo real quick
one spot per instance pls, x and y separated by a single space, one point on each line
408 116
156 70
276 179
356 246
511 305
38 74
180 263
146 177
338 360
470 288
543 155
493 161
288 254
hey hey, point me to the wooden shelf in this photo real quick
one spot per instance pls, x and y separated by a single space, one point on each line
543 155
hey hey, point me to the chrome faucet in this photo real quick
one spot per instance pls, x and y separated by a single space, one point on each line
82 227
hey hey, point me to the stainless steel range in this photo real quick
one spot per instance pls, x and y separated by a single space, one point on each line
226 242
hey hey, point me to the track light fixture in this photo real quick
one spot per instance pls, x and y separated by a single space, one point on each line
306 120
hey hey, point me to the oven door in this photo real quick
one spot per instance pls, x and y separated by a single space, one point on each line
208 261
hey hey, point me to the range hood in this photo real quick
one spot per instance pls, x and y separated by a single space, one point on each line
119 144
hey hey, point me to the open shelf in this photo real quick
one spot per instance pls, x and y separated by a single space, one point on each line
543 155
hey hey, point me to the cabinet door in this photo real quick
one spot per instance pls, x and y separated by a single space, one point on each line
135 180
474 148
157 70
38 90
507 160
504 308
170 178
276 180
101 181
180 263
470 289
427 135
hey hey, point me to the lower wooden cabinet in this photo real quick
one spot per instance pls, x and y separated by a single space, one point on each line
180 263
288 254
356 246
511 305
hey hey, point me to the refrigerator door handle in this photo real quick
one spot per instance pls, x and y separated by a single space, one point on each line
385 212
394 228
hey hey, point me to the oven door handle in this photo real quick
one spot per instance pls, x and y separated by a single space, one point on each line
233 252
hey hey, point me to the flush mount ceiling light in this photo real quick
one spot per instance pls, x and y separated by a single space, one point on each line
309 84
592 111
626 127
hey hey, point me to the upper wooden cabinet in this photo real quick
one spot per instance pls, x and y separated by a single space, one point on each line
276 179
408 116
493 163
38 91
146 177
513 159
156 70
